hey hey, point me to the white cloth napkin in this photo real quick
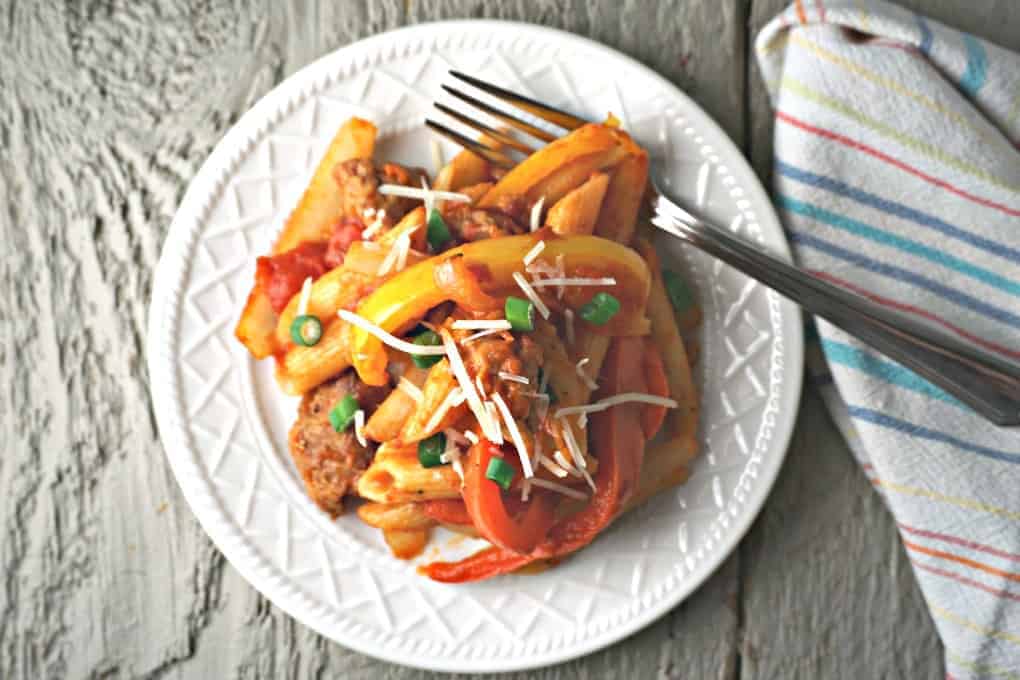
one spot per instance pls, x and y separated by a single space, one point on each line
897 174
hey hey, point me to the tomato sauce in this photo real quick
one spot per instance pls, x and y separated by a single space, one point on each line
282 275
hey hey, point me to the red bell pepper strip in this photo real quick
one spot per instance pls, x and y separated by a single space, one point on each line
618 437
483 499
655 375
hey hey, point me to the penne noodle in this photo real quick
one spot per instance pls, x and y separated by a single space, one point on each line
578 211
255 329
413 224
464 170
622 202
476 191
563 165
665 465
303 368
388 419
395 516
428 417
321 205
339 288
406 543
396 476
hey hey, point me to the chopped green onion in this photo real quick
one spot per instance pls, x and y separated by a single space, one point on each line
426 338
306 330
680 295
430 450
520 313
600 309
436 232
342 414
500 472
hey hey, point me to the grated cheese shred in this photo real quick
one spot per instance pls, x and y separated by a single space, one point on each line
574 281
559 488
530 293
306 294
536 214
423 193
515 435
513 377
388 338
585 378
481 325
489 428
616 400
359 427
535 251
410 389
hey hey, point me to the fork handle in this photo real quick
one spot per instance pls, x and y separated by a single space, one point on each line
986 383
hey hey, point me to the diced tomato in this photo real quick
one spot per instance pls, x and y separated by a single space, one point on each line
347 231
282 275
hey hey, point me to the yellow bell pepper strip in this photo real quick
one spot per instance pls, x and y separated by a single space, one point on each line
403 300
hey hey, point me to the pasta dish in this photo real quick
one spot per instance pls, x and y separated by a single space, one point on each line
493 351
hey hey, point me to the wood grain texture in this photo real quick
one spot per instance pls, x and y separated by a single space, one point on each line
108 109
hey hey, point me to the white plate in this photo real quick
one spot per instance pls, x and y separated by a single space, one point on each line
223 422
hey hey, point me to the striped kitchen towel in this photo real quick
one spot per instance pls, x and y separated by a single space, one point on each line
897 174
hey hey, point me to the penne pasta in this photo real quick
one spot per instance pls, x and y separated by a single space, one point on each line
303 368
396 476
339 288
665 465
412 224
435 412
406 543
464 170
622 202
578 211
395 516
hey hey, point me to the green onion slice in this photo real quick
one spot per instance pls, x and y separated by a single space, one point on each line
342 414
500 472
520 313
680 295
306 330
426 338
436 232
430 450
600 309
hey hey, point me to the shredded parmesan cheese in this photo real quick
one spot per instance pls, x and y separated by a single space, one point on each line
552 467
535 251
530 293
513 377
574 281
559 488
489 428
616 400
442 410
536 214
568 325
582 420
404 247
572 447
585 378
480 334
368 212
410 389
387 338
479 385
471 436
306 294
372 229
392 257
423 194
455 436
370 245
525 490
359 427
562 461
561 272
497 434
515 435
481 325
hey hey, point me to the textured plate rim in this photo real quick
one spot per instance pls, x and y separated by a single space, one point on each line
213 517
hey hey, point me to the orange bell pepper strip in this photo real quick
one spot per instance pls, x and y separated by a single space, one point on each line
618 437
405 299
658 384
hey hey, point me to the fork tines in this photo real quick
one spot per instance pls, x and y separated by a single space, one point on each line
491 137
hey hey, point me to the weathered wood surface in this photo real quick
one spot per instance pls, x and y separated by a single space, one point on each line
107 110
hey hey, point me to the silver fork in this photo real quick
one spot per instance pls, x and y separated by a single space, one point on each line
987 383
